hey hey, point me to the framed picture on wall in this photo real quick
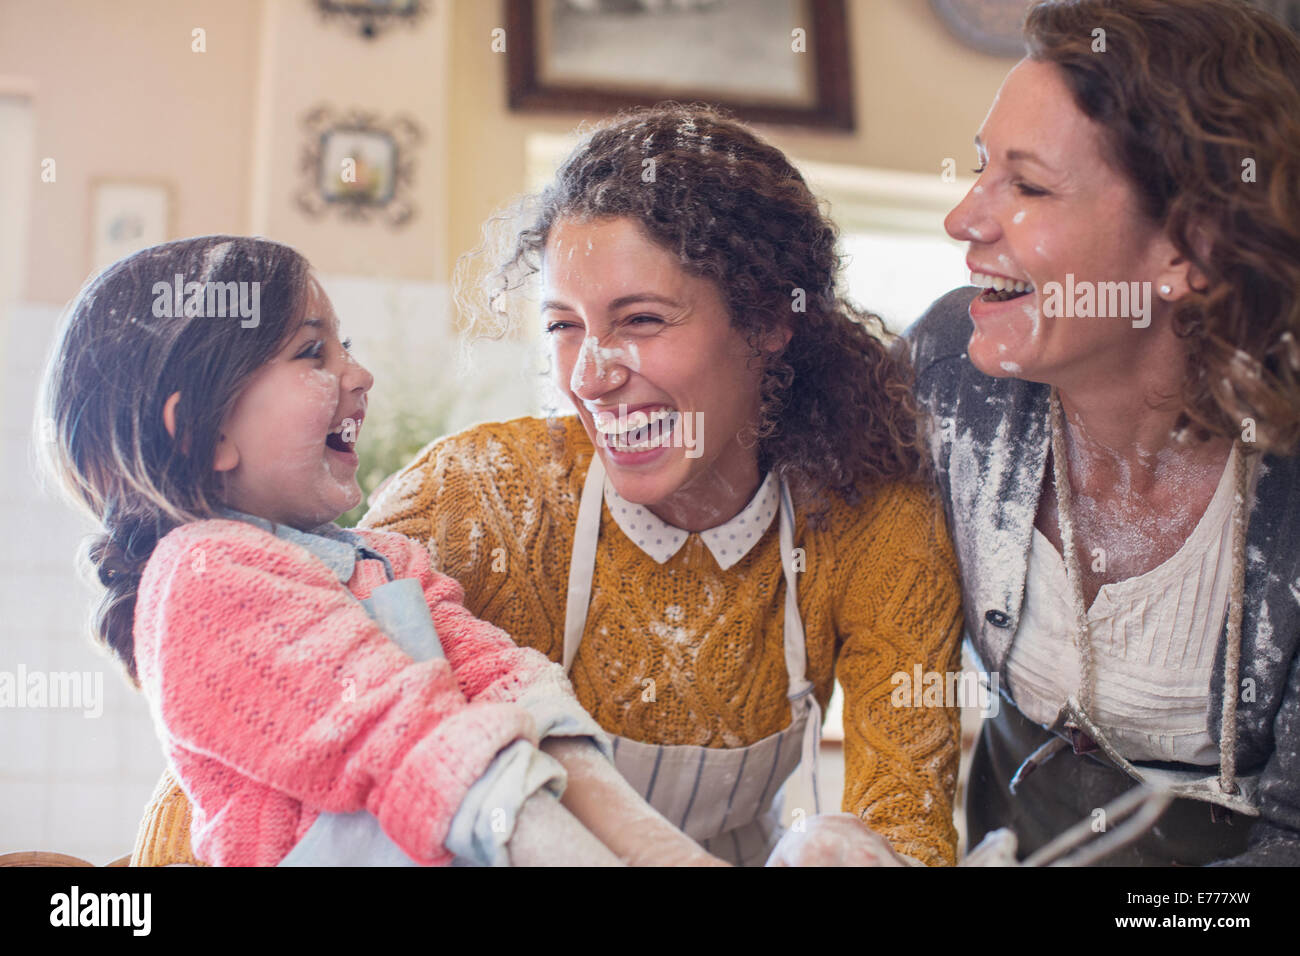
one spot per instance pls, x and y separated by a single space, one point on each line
371 16
125 216
358 165
768 61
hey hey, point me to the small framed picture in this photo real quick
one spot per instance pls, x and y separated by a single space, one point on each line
126 216
357 166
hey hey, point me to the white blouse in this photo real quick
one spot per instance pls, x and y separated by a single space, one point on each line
1154 640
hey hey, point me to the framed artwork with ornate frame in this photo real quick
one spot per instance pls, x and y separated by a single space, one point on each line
371 17
768 61
358 165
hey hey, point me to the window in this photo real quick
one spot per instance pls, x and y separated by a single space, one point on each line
898 259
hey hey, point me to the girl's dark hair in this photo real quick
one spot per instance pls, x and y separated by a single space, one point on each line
837 410
1200 104
99 427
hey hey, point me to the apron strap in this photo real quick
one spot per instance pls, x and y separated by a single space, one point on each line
582 559
795 658
796 654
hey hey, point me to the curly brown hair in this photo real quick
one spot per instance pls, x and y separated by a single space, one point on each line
1195 96
836 410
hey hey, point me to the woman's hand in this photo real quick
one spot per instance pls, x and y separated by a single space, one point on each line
607 805
546 834
834 839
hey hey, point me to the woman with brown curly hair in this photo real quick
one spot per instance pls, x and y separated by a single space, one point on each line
734 516
1116 417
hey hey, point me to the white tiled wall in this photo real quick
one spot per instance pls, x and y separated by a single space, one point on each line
69 782
76 785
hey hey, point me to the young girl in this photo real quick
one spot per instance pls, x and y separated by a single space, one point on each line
322 694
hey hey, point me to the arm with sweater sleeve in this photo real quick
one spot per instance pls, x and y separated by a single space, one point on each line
901 612
257 657
488 664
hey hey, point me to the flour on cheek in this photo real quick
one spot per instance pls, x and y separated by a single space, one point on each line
1034 312
1011 336
332 483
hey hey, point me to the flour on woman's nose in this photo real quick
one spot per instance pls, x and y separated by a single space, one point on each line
610 364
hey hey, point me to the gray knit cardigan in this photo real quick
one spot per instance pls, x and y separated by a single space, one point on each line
989 442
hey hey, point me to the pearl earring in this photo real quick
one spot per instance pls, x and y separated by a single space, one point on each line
1165 290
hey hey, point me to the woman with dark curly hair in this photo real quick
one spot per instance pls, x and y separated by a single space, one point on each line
733 517
1116 418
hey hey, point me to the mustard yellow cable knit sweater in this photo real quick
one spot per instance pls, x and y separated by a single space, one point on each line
496 505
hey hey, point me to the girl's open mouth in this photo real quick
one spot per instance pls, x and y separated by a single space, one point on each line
344 437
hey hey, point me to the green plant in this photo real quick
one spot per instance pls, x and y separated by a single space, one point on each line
393 433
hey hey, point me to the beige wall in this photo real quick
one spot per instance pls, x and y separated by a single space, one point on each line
118 93
308 62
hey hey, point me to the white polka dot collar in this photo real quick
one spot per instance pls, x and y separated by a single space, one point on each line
728 543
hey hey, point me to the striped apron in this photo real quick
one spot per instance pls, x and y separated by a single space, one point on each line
726 799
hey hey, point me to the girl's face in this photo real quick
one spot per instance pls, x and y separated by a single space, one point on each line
1049 204
631 330
287 446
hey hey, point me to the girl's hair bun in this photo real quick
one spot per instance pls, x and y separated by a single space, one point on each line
121 553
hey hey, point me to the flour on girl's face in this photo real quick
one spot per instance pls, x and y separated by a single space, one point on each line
325 386
306 452
278 463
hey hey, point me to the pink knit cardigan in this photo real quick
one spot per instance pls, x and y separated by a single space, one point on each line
276 696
